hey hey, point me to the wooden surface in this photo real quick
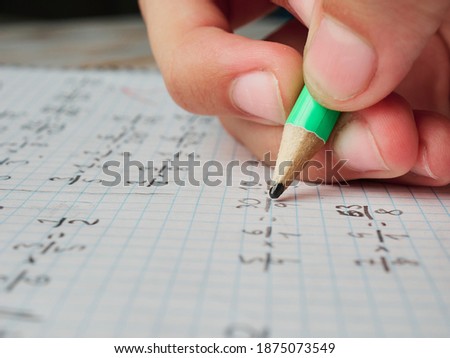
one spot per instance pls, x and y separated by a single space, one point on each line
105 43
119 42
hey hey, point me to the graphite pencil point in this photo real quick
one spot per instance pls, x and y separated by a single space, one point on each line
276 190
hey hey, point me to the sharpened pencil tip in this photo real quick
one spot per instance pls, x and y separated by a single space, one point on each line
276 190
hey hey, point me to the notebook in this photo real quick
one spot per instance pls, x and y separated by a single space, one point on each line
122 215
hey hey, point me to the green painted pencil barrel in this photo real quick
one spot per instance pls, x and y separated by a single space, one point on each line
309 114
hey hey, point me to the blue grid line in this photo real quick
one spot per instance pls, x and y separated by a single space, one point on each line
269 275
162 311
303 312
56 257
443 307
405 298
71 283
233 309
73 237
63 297
368 289
446 209
52 76
337 300
18 129
122 320
75 129
18 79
84 323
198 310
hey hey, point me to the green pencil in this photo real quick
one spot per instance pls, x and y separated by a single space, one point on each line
306 131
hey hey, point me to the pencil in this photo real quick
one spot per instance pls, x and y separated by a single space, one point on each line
306 131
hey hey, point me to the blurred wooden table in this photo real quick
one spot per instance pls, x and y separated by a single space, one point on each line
119 42
112 42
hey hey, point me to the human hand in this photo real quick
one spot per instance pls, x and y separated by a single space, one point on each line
385 63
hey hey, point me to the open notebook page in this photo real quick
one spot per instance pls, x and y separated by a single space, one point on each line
150 257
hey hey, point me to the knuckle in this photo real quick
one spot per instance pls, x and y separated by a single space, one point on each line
188 77
178 82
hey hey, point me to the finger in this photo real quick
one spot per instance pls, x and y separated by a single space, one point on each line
427 85
432 166
302 10
208 70
377 142
358 51
237 12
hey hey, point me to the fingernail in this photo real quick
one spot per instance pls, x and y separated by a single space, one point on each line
422 167
339 64
304 9
355 143
258 94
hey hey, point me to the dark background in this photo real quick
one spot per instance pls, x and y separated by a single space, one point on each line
59 9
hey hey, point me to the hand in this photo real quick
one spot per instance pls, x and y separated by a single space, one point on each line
385 63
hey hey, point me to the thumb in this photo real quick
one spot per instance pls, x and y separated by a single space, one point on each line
358 51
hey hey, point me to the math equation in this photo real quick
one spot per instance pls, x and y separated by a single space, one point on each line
121 215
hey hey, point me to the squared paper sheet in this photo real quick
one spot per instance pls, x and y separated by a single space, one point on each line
80 259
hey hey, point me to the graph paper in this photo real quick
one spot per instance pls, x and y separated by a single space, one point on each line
83 256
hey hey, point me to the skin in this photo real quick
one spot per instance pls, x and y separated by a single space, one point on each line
392 78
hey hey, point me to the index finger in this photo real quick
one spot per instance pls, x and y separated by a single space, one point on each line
209 70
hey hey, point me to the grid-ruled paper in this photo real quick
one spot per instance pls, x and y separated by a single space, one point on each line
154 258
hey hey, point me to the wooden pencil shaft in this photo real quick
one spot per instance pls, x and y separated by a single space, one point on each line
307 129
297 147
